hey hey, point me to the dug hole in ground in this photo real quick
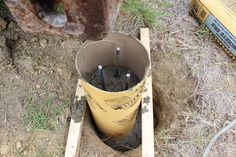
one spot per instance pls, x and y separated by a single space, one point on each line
194 89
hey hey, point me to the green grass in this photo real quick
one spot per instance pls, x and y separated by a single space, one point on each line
41 116
178 54
60 147
4 12
45 80
232 66
40 153
195 71
199 138
167 4
138 9
143 11
60 8
163 138
19 153
203 32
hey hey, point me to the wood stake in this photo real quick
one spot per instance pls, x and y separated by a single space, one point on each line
75 129
147 105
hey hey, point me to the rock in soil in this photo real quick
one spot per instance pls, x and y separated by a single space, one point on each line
37 86
24 44
4 149
4 54
14 36
43 43
18 145
12 25
33 39
64 73
24 65
3 24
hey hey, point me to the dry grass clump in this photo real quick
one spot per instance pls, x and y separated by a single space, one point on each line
212 104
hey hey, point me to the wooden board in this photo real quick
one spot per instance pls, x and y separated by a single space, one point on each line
75 129
147 105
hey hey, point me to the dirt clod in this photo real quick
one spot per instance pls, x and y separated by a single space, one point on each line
14 36
144 109
3 24
4 51
18 144
12 25
25 65
43 43
146 100
78 109
64 73
37 86
34 39
24 43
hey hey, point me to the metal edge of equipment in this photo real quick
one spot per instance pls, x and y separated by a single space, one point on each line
220 20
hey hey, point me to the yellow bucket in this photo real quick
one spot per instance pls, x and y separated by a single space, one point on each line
114 112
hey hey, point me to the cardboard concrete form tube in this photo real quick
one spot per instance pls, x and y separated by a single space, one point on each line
114 112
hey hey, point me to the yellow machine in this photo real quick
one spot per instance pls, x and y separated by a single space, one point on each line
220 17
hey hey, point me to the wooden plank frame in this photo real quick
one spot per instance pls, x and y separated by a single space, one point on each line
147 105
75 129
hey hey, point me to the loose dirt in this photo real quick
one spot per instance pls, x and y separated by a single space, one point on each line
28 70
